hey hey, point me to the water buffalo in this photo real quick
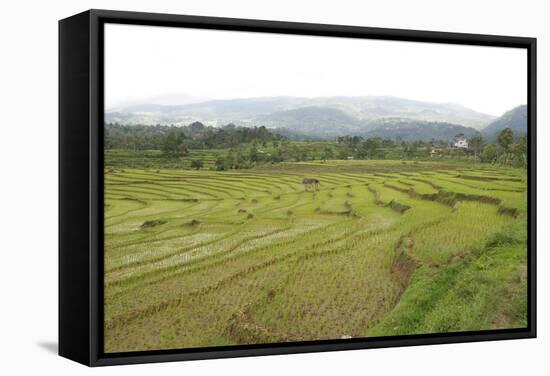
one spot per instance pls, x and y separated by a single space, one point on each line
314 183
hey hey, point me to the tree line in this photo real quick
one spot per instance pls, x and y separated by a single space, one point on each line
176 141
242 147
509 149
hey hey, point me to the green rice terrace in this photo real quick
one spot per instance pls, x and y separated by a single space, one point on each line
215 258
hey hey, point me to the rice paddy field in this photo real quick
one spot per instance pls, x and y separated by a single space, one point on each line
206 258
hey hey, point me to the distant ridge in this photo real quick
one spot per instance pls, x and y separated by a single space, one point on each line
515 119
318 117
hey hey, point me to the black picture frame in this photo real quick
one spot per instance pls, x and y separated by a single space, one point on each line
81 185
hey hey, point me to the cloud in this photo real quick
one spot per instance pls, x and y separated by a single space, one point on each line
147 62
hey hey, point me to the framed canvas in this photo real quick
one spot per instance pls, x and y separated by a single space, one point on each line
236 187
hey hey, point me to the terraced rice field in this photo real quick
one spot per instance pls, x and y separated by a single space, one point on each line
205 258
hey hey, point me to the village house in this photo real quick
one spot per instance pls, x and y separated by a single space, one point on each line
461 143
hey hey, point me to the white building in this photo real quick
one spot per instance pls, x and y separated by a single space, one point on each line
461 143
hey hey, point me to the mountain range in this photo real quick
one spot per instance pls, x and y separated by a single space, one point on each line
515 119
326 117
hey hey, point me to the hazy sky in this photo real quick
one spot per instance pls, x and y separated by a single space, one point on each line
147 64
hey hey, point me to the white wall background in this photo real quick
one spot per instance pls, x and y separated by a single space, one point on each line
28 189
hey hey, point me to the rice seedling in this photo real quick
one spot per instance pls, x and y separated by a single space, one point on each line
207 258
